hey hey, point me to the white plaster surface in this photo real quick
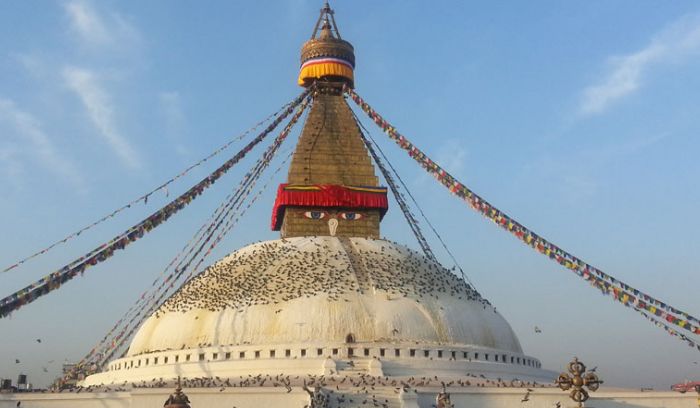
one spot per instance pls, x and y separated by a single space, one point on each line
286 307
283 306
370 298
261 397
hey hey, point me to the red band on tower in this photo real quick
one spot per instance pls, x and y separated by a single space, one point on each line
328 195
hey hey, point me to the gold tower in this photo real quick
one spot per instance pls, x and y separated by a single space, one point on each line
332 188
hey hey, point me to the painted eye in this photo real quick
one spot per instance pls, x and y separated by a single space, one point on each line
315 215
351 216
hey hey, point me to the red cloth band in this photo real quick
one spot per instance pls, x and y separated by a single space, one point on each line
327 195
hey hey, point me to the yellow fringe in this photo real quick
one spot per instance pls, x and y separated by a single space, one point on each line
324 69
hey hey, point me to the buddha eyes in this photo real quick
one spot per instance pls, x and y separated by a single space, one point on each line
350 216
346 215
315 215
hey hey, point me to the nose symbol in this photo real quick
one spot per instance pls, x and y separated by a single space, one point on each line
332 226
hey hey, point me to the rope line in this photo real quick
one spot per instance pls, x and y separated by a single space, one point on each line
54 280
186 251
415 202
233 202
609 285
410 218
246 185
148 295
144 198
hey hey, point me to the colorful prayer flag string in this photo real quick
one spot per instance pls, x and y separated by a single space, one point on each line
620 291
105 251
106 349
144 198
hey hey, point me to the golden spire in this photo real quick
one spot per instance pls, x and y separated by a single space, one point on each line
326 55
332 188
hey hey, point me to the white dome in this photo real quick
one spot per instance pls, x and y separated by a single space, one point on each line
322 289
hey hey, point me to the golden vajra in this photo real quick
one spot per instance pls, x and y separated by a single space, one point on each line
576 380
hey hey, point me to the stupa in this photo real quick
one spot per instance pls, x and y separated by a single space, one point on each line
330 297
330 314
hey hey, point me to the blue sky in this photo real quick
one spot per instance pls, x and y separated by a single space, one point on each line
578 119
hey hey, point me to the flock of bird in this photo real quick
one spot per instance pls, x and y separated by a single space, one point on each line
362 388
278 271
274 272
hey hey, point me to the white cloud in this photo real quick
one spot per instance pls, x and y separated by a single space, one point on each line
622 81
452 156
29 128
32 64
674 44
576 183
8 158
174 117
12 173
98 105
100 30
86 22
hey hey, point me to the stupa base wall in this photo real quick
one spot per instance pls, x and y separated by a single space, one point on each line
257 397
394 359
